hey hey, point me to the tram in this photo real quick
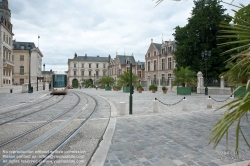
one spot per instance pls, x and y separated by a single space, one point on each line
59 83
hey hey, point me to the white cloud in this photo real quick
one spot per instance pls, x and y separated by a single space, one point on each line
96 27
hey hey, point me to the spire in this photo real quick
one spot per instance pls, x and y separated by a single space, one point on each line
162 39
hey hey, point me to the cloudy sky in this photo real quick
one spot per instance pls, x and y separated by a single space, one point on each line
97 27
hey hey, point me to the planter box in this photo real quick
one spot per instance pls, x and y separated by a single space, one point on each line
108 87
241 91
126 89
183 90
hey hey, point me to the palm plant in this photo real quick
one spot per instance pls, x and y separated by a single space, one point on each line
184 77
238 109
107 81
124 79
86 82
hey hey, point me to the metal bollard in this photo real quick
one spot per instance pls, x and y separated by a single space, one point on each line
184 104
10 90
209 102
155 106
122 108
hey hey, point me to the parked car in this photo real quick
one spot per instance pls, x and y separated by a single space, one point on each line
70 87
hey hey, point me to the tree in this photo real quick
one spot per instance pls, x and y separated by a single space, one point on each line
200 35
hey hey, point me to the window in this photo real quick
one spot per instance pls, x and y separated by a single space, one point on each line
169 76
139 74
4 36
162 51
154 53
74 65
128 68
149 54
97 74
22 47
154 65
97 65
74 73
21 81
104 73
104 65
21 70
89 65
21 57
163 64
169 63
82 65
82 73
89 73
148 66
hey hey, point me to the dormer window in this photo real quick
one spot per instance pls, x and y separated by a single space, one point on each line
149 54
22 47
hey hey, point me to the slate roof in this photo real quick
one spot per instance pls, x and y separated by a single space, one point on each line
123 58
18 45
158 46
47 72
90 59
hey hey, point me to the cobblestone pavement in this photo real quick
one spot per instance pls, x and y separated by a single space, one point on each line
171 137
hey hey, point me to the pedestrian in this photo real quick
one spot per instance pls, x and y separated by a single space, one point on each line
96 87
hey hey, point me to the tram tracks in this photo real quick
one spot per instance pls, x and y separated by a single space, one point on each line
11 119
62 134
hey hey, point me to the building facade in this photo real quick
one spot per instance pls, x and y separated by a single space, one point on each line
23 61
6 58
87 67
160 62
120 64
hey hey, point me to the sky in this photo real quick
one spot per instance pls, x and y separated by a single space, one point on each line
97 27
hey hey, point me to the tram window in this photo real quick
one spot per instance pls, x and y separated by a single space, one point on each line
59 81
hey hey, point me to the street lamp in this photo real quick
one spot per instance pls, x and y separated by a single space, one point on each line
29 87
205 55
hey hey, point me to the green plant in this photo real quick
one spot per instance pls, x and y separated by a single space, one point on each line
164 88
124 79
86 82
139 86
153 87
184 77
106 81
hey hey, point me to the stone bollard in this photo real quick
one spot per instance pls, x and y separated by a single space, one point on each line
122 108
209 102
155 106
184 104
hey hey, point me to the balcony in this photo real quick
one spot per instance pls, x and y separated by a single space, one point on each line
8 64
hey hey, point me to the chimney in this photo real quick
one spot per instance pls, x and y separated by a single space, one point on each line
75 55
85 55
151 40
109 58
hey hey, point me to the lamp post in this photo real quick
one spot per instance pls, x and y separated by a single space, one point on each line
205 55
131 89
29 86
94 80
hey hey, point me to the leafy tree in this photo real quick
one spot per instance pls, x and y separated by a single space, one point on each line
124 79
200 35
86 82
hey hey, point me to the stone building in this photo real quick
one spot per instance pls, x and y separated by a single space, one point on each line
6 58
22 61
160 63
87 67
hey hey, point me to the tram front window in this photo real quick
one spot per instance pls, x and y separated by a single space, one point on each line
59 81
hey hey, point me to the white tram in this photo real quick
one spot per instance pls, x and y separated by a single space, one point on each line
59 83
